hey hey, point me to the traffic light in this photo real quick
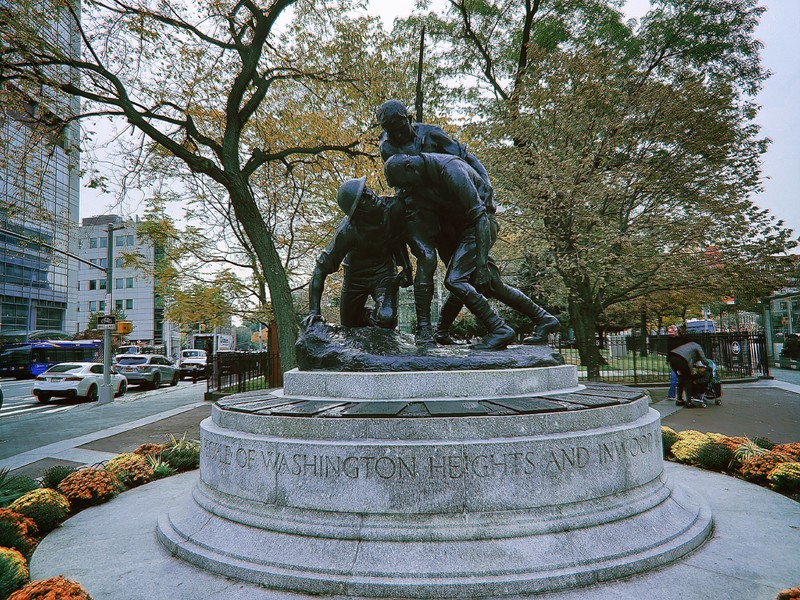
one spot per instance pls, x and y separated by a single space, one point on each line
124 327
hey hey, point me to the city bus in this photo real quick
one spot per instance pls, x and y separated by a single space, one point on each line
35 357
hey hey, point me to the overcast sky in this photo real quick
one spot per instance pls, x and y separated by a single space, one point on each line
779 117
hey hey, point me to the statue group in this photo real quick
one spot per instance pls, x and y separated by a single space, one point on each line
443 207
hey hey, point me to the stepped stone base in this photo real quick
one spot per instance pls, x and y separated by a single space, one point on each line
521 487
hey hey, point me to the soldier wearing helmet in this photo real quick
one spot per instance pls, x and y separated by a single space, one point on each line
368 243
471 274
429 227
424 233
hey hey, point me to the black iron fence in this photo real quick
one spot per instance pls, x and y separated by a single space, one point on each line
643 359
627 359
244 372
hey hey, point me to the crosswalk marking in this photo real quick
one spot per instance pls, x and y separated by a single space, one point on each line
45 409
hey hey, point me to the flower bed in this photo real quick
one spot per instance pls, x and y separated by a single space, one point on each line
759 461
28 512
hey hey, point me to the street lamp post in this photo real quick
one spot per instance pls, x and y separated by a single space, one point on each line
106 389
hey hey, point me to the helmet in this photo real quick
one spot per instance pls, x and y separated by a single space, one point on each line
389 109
700 364
349 193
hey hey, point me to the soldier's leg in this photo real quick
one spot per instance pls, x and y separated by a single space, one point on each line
447 316
385 297
452 305
457 281
421 231
352 305
544 323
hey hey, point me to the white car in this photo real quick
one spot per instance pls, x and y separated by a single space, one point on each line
192 363
76 380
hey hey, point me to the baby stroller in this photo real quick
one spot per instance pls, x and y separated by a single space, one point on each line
714 389
711 391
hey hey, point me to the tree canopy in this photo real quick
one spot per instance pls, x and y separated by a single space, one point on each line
624 152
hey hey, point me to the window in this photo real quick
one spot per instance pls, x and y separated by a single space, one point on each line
118 284
103 242
129 282
129 304
118 304
102 305
118 262
103 262
130 240
93 261
120 241
92 242
78 286
92 306
93 284
101 284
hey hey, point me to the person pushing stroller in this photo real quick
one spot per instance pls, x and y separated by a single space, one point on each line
681 361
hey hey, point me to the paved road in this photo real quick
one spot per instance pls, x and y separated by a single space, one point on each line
18 400
24 433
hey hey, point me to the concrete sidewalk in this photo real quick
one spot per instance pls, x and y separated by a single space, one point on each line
766 408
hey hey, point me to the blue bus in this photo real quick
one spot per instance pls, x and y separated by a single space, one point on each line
33 358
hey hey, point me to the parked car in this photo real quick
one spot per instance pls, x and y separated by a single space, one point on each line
1 396
192 363
75 380
148 369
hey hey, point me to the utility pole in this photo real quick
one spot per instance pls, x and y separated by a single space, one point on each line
106 389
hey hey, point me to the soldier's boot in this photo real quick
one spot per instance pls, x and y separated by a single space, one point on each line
450 309
543 322
500 335
423 296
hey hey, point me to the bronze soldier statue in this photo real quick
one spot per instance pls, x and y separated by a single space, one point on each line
423 230
470 271
369 243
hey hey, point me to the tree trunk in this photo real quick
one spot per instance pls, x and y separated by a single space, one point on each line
583 318
280 293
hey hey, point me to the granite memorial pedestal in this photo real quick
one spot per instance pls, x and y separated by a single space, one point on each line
434 484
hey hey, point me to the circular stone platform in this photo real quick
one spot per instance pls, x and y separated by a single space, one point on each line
526 487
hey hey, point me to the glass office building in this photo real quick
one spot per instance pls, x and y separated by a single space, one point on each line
39 202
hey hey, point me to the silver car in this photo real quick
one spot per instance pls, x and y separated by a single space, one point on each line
148 369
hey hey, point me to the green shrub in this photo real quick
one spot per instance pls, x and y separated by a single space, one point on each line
149 449
181 454
790 594
792 449
47 508
687 447
749 449
14 486
55 588
764 442
757 468
131 469
13 571
668 438
88 487
715 456
17 531
54 475
160 468
785 477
